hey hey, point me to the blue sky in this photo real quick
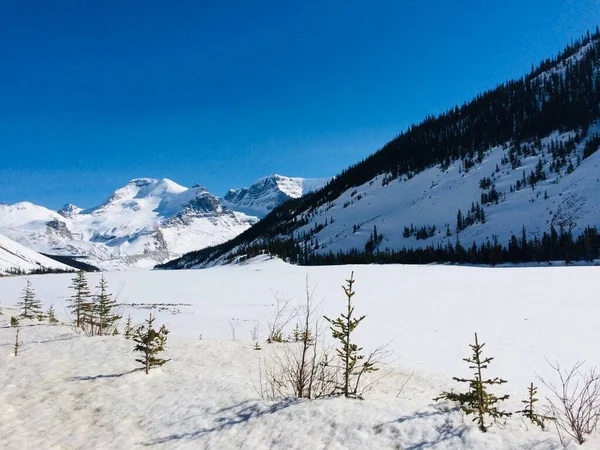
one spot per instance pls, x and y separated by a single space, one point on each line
94 94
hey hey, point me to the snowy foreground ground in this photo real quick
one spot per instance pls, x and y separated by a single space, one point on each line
65 391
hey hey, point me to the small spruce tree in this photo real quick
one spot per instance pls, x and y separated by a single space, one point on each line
105 310
478 400
354 364
529 410
14 322
128 331
51 315
150 343
30 306
80 300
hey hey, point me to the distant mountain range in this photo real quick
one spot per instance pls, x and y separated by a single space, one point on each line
148 221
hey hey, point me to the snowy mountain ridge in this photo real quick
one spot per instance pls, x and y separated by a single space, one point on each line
263 195
145 222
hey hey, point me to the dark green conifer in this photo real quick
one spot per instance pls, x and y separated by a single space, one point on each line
478 400
80 300
354 364
105 310
31 307
150 343
529 409
51 315
128 331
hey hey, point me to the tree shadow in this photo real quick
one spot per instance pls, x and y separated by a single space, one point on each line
47 341
236 417
446 432
99 377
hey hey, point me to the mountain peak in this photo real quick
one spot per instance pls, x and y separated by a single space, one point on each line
69 210
268 192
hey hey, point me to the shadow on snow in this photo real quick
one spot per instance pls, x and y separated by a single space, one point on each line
236 415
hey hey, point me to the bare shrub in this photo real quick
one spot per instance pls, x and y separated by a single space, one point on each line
574 403
233 325
284 314
255 330
303 368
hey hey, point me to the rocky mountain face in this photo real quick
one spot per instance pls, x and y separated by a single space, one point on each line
147 221
262 196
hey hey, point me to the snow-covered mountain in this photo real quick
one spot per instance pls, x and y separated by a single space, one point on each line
146 222
262 196
14 256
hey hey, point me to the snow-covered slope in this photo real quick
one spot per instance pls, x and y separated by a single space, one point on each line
14 256
207 395
271 191
434 197
146 222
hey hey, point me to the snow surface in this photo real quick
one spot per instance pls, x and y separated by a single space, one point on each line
69 391
15 256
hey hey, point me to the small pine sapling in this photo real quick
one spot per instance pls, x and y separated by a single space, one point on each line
150 343
257 346
80 300
353 367
105 307
529 410
128 331
478 400
14 322
30 306
51 315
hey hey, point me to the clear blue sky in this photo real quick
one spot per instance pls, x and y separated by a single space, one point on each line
94 93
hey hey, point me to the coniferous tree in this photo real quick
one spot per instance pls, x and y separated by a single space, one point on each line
354 364
31 307
14 322
128 331
478 400
150 343
529 410
51 315
105 310
80 300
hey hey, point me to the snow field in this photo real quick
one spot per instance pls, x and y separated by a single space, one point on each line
68 391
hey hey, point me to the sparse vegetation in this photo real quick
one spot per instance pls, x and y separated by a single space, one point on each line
30 306
574 402
150 342
478 400
354 364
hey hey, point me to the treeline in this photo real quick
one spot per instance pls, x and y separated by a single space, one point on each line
554 245
41 270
